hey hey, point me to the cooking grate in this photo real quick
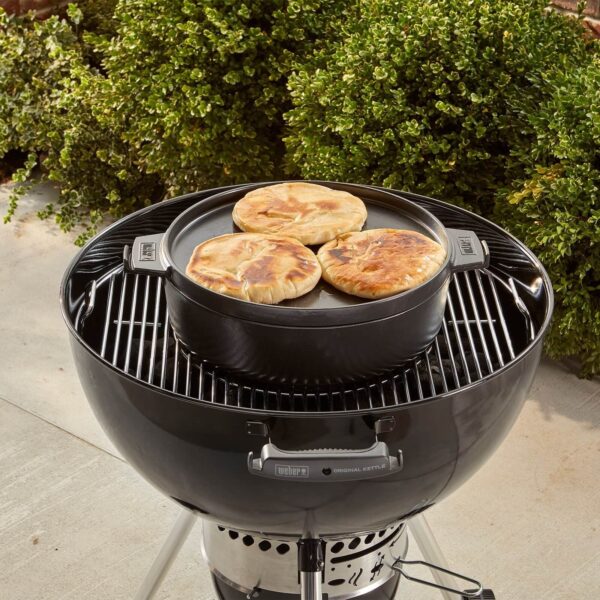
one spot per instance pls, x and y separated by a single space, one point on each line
136 337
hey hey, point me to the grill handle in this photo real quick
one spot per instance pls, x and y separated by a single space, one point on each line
144 256
477 593
325 464
467 251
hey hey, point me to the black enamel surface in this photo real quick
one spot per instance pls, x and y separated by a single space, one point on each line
196 452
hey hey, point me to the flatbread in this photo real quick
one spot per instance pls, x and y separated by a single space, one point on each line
313 214
256 267
380 262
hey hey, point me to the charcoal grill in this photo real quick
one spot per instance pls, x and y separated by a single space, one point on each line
284 476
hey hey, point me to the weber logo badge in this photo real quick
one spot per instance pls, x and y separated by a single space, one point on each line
148 251
465 245
292 472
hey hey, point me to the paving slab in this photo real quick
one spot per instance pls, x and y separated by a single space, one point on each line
528 523
75 522
37 371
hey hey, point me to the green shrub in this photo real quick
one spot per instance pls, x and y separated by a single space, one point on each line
97 16
97 19
468 101
34 59
423 95
160 96
48 108
200 87
555 209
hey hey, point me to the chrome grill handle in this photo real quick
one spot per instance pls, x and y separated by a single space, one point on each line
469 593
89 302
325 464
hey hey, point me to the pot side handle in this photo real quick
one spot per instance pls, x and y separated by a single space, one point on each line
467 251
325 464
144 255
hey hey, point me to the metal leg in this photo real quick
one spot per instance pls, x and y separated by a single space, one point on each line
169 551
310 566
310 586
432 553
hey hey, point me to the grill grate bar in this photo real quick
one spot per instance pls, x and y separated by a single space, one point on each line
451 354
491 322
201 381
430 374
138 372
415 372
463 309
478 323
175 366
111 290
131 323
381 392
163 365
226 393
370 397
438 355
213 386
406 388
188 374
154 330
474 340
461 349
119 321
394 384
501 314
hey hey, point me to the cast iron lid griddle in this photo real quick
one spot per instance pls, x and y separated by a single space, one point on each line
212 217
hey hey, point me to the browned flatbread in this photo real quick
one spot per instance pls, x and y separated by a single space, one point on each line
256 267
313 214
380 262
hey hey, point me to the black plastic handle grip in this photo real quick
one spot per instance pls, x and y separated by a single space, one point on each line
467 251
325 464
144 256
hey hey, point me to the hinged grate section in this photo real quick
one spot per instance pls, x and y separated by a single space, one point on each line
474 342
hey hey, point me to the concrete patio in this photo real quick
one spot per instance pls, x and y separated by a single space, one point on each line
76 522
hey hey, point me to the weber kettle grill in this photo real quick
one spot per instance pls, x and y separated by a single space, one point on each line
306 491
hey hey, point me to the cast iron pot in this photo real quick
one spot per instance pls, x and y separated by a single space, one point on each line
323 337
